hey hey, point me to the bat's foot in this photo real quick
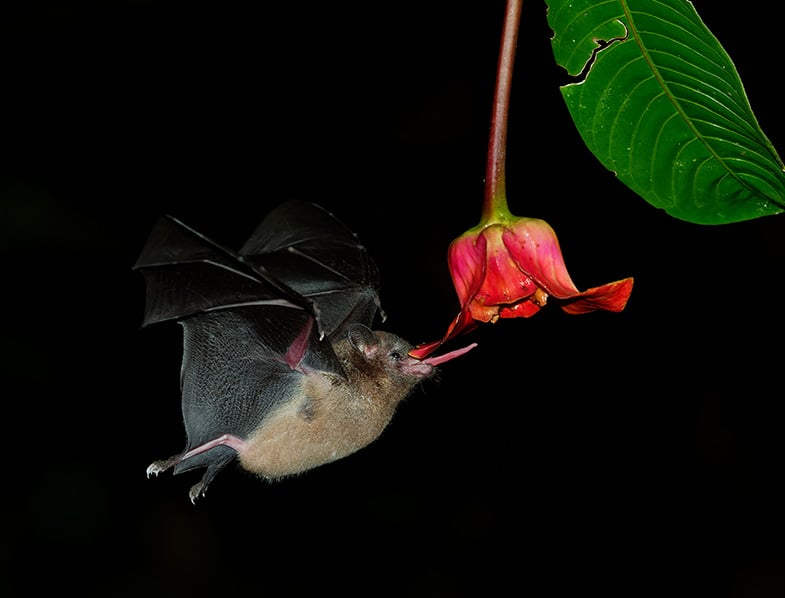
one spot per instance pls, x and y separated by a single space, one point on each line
197 491
220 459
157 467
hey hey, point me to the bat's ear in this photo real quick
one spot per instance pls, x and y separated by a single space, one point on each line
363 339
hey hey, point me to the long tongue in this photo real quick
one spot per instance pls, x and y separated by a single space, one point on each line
439 359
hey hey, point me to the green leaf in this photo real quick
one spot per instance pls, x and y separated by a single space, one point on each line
658 101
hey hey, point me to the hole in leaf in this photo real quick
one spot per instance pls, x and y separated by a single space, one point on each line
601 44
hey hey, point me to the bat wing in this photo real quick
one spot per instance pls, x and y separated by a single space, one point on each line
313 253
300 258
230 379
187 274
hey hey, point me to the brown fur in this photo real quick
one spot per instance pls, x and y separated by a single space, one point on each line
336 417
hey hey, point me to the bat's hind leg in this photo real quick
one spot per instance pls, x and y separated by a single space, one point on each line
214 455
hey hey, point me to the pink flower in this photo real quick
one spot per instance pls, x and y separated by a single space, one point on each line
509 268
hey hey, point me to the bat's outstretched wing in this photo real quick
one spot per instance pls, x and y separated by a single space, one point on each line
307 248
300 258
187 274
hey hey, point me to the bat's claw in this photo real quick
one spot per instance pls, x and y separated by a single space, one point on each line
197 491
157 467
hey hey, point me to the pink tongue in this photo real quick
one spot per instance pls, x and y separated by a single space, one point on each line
439 359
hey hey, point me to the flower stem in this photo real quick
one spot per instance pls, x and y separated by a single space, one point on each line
495 200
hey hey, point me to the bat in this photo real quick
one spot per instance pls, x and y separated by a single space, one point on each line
281 369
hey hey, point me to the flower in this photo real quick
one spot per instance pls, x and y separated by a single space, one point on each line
506 266
509 267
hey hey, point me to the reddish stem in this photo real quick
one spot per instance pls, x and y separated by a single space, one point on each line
495 200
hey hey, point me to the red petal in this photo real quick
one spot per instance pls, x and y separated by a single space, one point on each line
466 261
462 324
610 297
535 248
524 309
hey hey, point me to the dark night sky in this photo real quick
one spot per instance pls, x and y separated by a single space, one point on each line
631 454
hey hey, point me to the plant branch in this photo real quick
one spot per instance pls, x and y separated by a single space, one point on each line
495 200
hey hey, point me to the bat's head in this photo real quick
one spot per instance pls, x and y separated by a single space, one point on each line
390 354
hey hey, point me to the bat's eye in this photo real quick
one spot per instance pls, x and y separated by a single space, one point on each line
395 356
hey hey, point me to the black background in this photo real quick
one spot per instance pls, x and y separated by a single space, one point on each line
631 454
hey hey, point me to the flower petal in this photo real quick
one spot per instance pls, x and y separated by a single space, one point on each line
534 246
466 260
522 309
505 283
609 297
461 324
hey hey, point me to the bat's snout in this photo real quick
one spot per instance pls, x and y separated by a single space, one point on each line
416 367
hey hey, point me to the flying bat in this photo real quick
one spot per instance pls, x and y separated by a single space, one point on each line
281 369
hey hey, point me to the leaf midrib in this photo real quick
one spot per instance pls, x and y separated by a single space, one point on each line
633 30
